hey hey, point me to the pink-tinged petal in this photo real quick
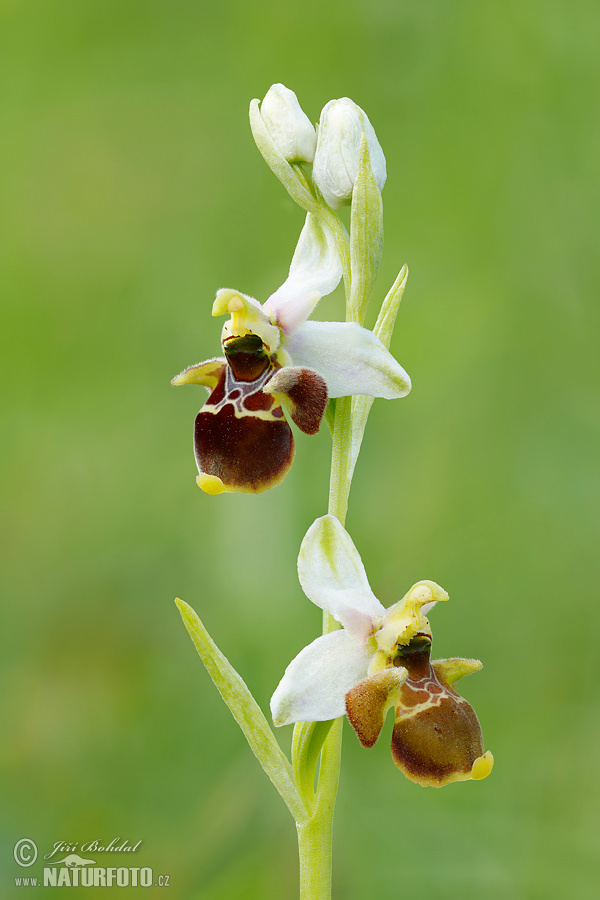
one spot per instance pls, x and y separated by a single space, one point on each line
333 577
369 700
303 393
315 684
351 359
315 271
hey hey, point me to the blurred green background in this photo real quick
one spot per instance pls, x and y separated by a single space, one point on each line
131 191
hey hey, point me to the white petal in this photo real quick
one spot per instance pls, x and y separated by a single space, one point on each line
314 272
290 127
335 166
351 359
333 577
316 682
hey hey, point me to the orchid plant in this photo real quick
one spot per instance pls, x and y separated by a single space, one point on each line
277 363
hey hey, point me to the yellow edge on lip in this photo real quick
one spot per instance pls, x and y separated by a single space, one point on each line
211 484
482 766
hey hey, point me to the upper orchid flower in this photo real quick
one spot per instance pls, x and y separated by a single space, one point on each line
380 659
287 123
274 359
336 163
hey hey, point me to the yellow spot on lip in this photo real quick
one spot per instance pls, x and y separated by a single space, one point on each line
482 766
210 484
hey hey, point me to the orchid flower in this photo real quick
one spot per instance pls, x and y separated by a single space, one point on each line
380 659
336 160
275 360
290 128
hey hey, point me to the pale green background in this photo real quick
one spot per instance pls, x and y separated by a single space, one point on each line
132 190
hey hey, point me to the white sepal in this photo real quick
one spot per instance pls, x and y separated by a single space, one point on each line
288 125
336 162
333 577
351 359
315 684
315 271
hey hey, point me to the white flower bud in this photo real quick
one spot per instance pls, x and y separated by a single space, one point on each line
289 127
335 166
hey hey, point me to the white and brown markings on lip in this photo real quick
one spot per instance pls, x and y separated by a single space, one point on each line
437 736
241 435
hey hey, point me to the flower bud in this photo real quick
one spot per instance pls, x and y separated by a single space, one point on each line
335 166
289 127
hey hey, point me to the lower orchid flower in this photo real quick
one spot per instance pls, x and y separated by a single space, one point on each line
275 361
380 660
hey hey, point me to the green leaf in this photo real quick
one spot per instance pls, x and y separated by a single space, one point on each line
246 712
384 327
307 743
330 413
386 319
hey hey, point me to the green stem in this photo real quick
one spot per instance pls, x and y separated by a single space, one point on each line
339 485
315 837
